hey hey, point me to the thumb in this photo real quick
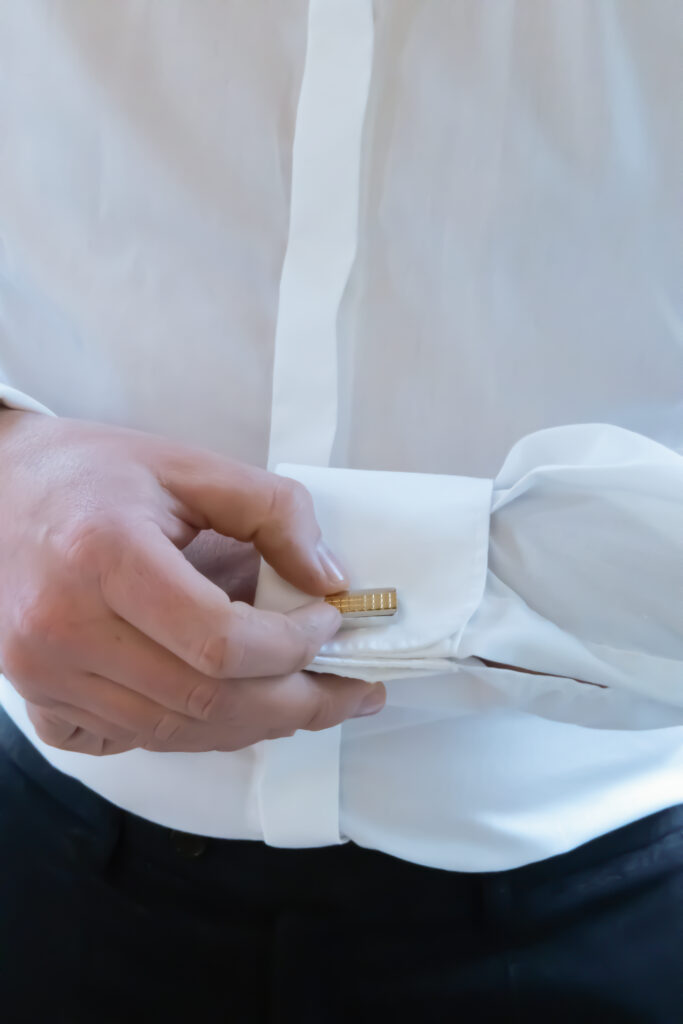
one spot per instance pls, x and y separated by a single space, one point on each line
273 512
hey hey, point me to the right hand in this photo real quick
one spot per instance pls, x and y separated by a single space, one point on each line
110 634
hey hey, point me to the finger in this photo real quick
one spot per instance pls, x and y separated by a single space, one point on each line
244 712
153 588
111 710
143 666
278 708
75 730
114 711
313 701
274 513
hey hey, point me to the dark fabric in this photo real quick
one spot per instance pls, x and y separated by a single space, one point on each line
107 919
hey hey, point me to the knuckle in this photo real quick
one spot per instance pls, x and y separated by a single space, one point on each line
290 499
213 655
35 618
46 620
86 545
205 701
167 728
223 654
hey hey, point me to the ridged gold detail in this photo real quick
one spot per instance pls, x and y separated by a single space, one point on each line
364 603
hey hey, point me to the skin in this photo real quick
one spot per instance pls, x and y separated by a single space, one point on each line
128 564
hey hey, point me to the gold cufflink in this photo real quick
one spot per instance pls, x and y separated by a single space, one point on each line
360 604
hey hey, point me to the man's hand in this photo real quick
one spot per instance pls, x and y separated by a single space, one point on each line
109 632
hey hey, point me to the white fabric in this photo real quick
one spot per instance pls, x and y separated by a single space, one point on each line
519 252
13 399
447 620
389 532
322 230
297 809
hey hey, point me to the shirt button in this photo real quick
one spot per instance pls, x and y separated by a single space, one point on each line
187 845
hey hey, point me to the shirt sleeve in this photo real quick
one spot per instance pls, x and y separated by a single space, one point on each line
566 569
13 399
585 563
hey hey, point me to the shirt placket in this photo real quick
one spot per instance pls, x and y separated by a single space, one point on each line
297 780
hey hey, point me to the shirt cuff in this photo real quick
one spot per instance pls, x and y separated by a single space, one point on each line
426 535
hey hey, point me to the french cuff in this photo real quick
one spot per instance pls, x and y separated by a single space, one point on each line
13 399
425 535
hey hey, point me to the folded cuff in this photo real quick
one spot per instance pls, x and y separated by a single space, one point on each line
425 535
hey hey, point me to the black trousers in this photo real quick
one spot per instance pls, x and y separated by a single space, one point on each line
108 918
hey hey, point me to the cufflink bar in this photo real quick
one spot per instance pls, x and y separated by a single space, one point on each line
363 604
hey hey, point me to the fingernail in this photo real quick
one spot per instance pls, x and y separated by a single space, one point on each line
330 566
372 702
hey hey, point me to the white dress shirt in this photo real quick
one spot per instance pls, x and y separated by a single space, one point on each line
429 256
